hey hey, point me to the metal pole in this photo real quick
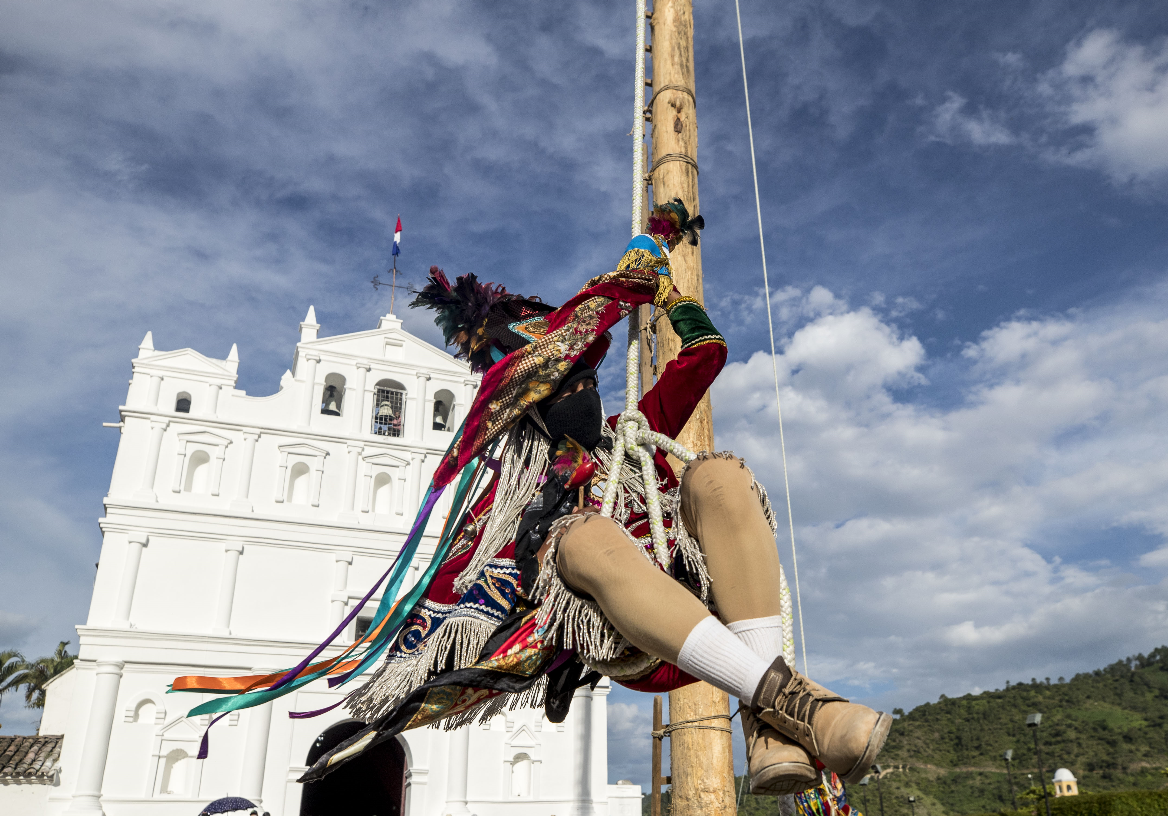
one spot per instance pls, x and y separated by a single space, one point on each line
880 791
1010 776
1041 772
655 771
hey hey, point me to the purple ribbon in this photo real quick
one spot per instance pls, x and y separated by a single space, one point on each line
304 715
423 515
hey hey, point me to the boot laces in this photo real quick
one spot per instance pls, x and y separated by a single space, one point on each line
797 701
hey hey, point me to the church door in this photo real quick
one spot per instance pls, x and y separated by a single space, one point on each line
373 785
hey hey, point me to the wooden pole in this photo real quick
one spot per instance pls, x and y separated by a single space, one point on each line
655 771
701 760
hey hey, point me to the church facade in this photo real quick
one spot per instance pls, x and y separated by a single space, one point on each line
239 531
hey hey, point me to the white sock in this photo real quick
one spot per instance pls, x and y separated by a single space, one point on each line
764 636
712 653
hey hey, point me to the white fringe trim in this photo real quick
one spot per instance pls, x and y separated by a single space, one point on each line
483 713
524 461
464 637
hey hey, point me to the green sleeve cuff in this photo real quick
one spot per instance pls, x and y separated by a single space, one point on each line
693 326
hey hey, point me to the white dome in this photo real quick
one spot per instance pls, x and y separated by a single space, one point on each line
1063 775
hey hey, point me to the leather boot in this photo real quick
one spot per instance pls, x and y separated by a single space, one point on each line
778 766
844 736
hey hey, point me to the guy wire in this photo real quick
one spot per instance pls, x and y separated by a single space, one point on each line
771 327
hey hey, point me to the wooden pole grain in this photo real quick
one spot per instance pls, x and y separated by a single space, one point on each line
702 767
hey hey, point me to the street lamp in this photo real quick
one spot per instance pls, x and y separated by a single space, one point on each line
879 790
912 802
1033 721
1009 755
864 791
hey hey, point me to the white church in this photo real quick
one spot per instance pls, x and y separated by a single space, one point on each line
239 531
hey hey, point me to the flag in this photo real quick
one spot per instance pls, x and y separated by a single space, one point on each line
397 238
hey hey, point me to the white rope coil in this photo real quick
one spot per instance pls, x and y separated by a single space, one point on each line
639 121
634 438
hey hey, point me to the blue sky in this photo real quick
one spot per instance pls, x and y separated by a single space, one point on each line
964 207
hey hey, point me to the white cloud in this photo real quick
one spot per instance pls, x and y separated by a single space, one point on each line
628 738
1118 91
947 547
951 123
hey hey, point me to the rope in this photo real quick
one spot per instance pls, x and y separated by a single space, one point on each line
771 327
657 92
670 157
681 725
639 121
636 439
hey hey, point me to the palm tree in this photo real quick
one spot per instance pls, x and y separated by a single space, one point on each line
40 671
12 668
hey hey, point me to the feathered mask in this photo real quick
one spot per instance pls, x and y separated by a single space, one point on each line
484 320
672 222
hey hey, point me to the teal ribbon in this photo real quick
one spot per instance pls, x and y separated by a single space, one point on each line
397 616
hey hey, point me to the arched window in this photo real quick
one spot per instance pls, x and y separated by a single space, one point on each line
198 472
145 712
382 493
182 403
333 396
174 773
388 408
443 403
521 776
299 480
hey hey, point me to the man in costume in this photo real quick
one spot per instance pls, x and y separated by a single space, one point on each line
532 594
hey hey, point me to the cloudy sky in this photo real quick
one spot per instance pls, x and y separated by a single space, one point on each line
964 207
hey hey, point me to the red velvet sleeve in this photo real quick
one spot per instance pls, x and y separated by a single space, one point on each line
683 383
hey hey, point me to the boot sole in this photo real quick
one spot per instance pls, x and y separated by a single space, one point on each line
783 778
875 743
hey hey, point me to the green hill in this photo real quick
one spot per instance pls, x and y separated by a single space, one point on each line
1108 726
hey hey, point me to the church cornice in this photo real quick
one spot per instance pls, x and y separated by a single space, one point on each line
299 434
126 515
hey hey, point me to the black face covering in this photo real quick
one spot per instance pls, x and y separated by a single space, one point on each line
579 416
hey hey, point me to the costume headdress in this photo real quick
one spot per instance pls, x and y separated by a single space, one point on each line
483 320
672 222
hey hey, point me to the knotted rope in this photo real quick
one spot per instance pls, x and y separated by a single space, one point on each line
683 724
634 438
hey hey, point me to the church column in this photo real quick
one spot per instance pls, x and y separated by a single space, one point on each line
599 738
357 405
340 597
146 491
155 389
416 460
136 543
231 552
582 754
468 394
212 399
317 479
255 750
95 749
244 487
423 413
308 395
367 490
217 469
456 772
348 511
176 484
